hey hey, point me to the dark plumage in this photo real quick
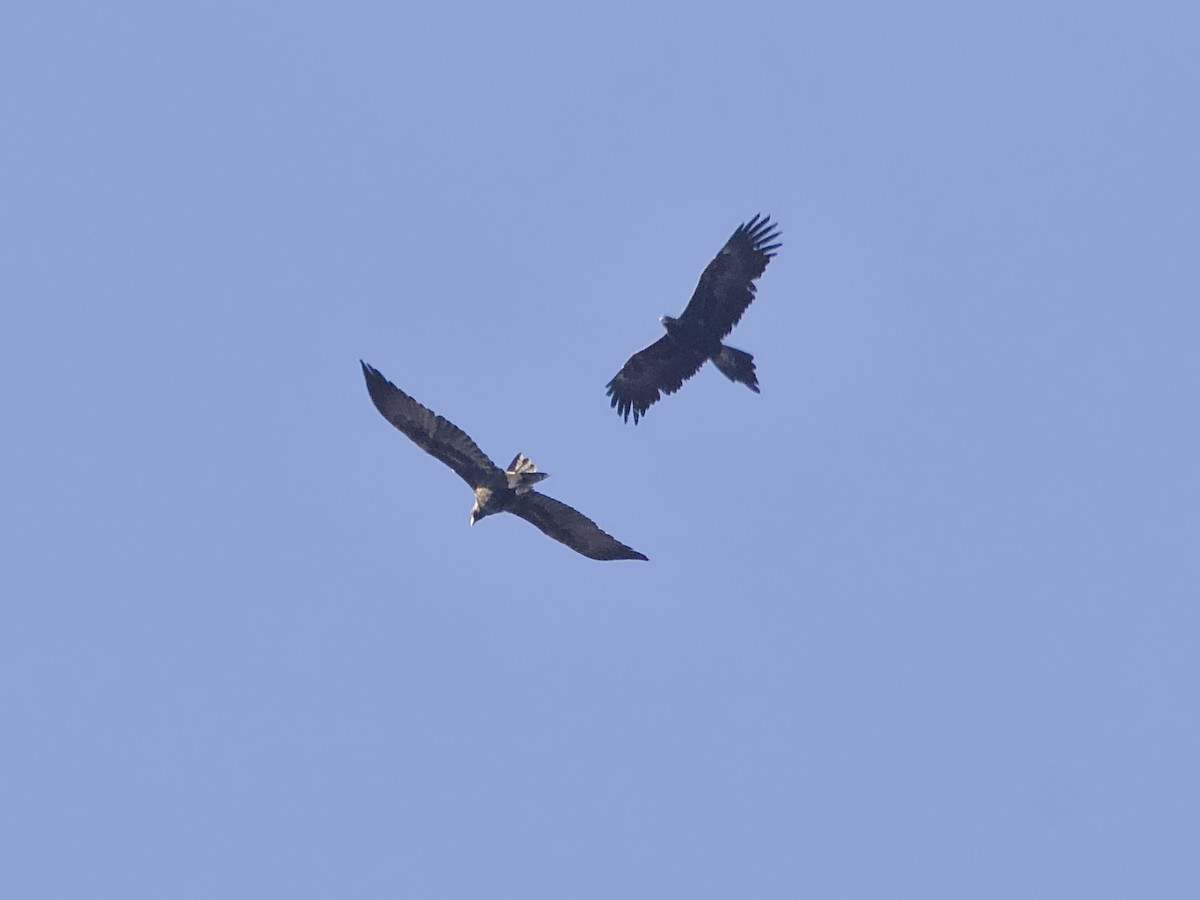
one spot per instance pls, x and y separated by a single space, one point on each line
496 490
726 288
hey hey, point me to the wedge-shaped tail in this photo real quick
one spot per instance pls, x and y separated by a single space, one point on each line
737 366
522 474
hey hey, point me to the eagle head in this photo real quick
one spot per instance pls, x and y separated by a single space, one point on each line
479 510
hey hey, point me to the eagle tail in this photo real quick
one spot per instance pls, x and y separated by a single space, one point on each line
522 474
737 366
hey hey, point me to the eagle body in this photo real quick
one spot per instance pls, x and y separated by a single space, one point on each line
500 494
496 490
691 336
725 290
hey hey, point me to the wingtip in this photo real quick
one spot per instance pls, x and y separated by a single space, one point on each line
621 554
373 377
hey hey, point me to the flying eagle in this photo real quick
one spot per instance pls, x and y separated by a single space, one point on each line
726 288
496 490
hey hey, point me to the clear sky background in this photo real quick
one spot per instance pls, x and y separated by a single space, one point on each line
919 621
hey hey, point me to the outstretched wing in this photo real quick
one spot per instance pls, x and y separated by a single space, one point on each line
570 527
726 286
661 368
429 431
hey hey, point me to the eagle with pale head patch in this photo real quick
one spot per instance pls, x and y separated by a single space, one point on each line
496 490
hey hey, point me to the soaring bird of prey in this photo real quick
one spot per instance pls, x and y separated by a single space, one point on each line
496 490
726 288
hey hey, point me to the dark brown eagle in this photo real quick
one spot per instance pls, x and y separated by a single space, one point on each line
496 490
726 288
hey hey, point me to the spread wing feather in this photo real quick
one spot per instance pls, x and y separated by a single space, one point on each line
570 527
726 286
438 437
659 369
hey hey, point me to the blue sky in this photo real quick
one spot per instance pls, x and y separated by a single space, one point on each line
920 619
